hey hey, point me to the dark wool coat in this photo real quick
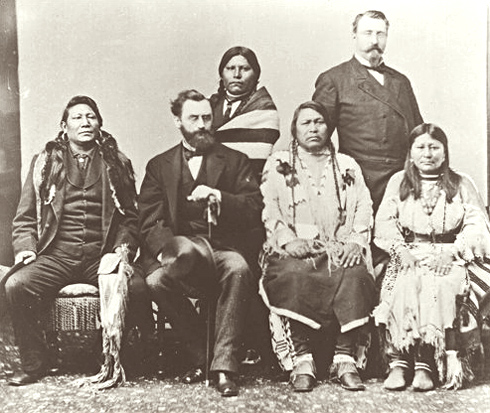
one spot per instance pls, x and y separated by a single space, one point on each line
226 169
36 223
373 121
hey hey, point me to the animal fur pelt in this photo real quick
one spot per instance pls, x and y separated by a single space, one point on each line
49 172
113 290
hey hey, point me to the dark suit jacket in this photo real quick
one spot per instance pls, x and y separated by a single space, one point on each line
373 121
117 229
226 169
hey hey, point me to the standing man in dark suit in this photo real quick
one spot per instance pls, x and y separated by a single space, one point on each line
187 255
78 203
372 105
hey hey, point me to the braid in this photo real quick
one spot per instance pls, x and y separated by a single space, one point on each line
120 170
294 155
53 166
335 168
221 88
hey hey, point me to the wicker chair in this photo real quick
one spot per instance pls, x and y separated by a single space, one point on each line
73 324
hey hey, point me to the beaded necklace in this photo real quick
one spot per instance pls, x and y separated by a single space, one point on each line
335 167
430 196
293 155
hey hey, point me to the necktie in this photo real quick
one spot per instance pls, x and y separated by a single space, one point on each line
380 69
227 114
188 154
82 161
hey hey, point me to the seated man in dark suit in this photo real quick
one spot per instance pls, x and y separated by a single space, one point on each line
184 253
78 203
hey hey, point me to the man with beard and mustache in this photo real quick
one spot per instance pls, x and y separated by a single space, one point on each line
372 105
190 252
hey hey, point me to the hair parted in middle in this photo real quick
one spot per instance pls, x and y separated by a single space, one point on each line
238 51
311 104
293 154
449 180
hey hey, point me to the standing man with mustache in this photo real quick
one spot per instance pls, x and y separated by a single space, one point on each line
371 105
187 255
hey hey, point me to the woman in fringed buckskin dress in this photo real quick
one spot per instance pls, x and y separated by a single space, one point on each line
433 224
317 262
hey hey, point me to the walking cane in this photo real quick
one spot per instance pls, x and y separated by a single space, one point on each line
212 220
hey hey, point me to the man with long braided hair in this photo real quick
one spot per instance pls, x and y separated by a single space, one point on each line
78 203
317 262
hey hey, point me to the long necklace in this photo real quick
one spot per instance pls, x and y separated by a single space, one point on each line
316 184
429 198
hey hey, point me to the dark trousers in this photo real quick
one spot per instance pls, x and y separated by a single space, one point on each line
32 289
377 173
229 286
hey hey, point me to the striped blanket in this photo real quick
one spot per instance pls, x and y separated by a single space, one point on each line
253 128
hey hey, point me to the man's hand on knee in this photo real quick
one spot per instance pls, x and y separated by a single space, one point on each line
26 257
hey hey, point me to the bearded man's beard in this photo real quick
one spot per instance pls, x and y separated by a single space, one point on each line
200 140
375 58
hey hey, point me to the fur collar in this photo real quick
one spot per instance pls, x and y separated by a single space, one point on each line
50 170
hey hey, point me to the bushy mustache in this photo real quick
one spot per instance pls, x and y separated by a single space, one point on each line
201 140
375 47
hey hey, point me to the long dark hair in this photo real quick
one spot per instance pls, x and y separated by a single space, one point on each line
79 100
317 107
238 51
119 167
449 180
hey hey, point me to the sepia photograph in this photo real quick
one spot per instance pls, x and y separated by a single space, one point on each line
244 206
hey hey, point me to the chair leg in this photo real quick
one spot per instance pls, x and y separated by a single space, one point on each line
53 344
208 340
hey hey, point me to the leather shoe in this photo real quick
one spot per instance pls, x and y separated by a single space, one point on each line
251 358
226 385
303 383
194 375
352 381
22 378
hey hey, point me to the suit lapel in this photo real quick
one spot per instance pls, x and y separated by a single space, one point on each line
393 84
386 94
215 164
171 169
218 114
94 170
58 202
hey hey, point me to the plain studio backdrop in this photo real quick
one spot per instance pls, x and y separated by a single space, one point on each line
134 56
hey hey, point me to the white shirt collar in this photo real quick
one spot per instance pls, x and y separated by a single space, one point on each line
365 62
380 77
187 145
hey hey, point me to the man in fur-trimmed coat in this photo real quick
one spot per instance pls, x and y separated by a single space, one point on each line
78 203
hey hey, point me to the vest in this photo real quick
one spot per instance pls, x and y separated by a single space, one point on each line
191 220
79 233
